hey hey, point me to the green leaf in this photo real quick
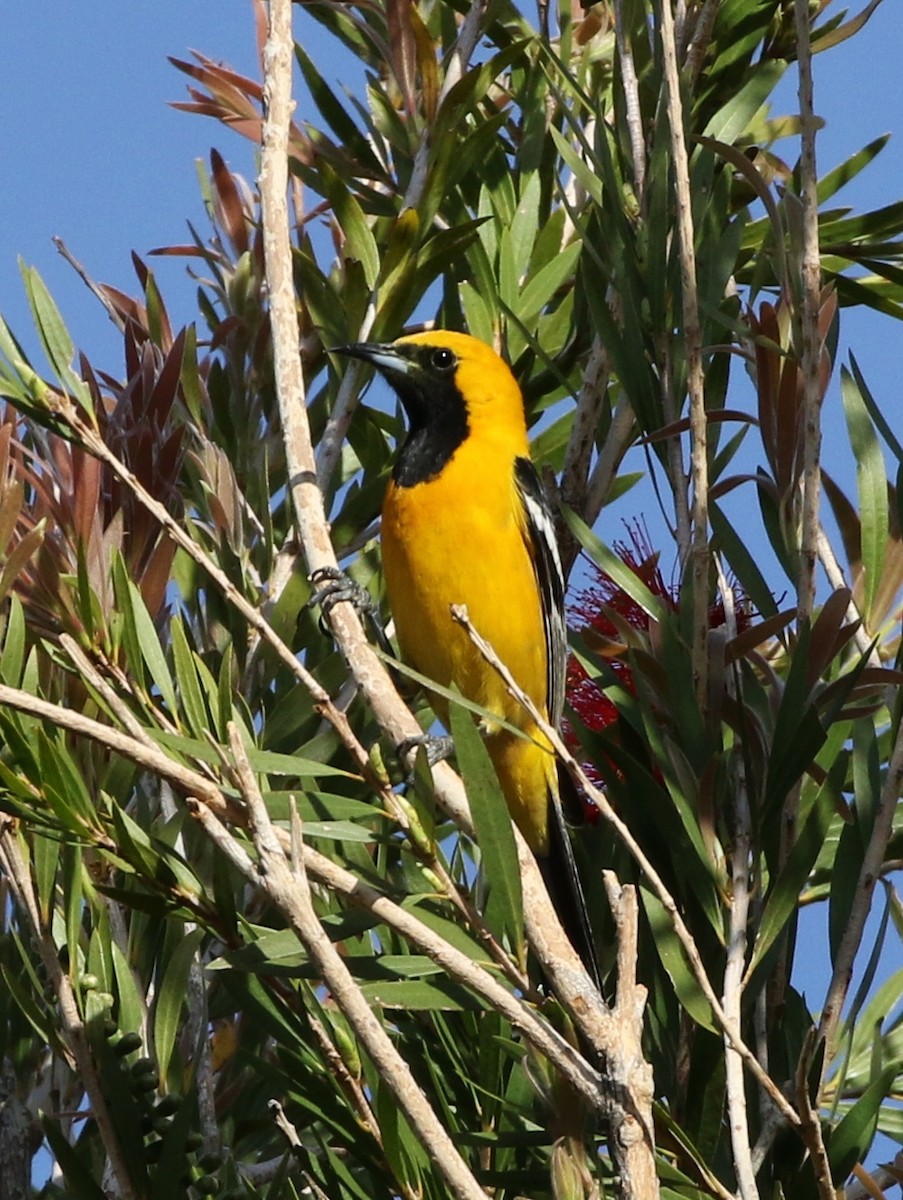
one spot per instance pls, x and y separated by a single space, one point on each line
75 1169
492 822
878 417
871 478
171 999
419 996
742 563
615 568
733 118
187 682
851 1140
360 243
782 898
55 339
674 960
540 289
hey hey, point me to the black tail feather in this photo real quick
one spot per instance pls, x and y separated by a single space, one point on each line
559 872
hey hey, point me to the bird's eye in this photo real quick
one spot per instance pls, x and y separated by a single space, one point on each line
443 359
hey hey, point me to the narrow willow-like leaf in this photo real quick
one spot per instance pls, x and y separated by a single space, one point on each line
360 243
186 680
782 898
614 567
492 823
871 478
419 996
849 1141
171 999
55 340
742 563
674 960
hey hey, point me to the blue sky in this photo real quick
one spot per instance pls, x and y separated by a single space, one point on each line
90 151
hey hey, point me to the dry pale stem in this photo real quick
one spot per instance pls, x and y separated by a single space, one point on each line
632 1129
692 332
810 304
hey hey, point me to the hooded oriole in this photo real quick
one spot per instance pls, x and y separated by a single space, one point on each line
465 520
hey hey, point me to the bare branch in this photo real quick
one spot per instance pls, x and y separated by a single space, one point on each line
631 87
692 334
810 1128
810 305
733 992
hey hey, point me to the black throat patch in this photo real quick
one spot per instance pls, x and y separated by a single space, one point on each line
437 426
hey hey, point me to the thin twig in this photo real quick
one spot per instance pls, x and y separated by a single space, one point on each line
692 335
733 992
582 438
810 1128
95 289
741 859
834 572
699 42
620 435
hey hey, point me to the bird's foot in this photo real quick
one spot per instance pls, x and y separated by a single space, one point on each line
333 587
438 747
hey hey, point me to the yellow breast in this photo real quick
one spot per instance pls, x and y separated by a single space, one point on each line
459 539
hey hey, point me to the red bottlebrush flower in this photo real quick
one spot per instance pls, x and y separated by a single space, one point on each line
591 615
599 614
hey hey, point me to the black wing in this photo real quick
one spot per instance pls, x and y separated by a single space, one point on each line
550 578
558 867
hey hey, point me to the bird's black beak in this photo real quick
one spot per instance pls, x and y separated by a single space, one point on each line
382 355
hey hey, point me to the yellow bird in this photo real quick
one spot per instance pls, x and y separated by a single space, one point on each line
465 520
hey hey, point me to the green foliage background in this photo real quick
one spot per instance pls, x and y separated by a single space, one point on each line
508 187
